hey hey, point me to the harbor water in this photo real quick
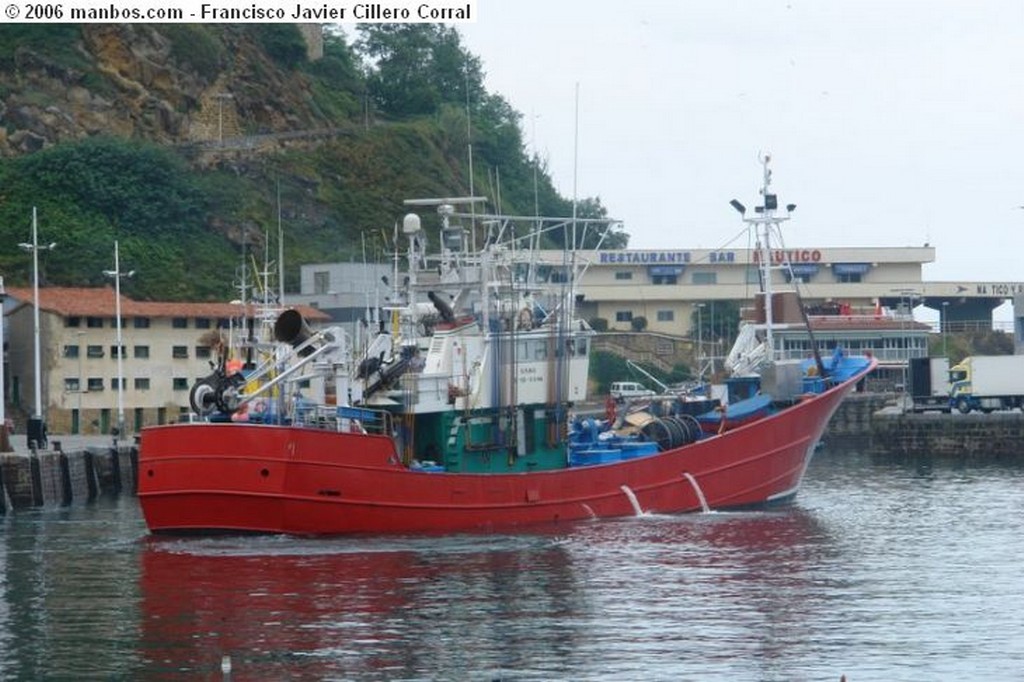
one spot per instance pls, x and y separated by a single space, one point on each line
879 571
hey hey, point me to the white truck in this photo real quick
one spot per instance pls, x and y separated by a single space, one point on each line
987 383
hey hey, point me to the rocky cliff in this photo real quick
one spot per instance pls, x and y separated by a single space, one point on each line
168 84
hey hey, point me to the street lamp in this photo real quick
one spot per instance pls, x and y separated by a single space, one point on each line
81 380
117 275
5 444
36 427
944 327
700 342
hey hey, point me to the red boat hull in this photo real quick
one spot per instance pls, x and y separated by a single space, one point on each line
283 479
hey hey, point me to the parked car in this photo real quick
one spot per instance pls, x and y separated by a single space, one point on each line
622 390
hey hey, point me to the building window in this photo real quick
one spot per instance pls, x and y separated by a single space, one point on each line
95 384
179 323
803 278
321 282
665 279
113 352
848 277
705 278
94 351
666 316
113 383
142 352
141 383
94 322
623 275
223 323
71 351
753 276
203 323
202 352
74 321
180 384
72 384
179 352
141 322
624 316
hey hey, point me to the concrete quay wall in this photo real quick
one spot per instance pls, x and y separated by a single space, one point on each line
57 478
872 423
998 436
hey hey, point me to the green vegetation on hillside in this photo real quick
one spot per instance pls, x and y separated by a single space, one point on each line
398 97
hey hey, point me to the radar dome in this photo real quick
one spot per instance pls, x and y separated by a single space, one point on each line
411 223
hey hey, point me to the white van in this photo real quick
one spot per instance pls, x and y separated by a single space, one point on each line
621 390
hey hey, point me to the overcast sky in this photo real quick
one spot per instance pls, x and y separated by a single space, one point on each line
890 123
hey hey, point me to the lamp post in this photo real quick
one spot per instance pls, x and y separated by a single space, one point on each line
5 444
36 426
700 342
81 380
117 275
944 327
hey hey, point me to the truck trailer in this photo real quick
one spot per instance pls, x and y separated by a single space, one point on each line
929 384
987 383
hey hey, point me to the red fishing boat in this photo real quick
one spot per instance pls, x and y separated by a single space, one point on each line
457 414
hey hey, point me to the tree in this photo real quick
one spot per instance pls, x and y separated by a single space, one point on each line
717 322
411 69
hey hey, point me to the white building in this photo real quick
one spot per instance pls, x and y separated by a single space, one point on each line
165 348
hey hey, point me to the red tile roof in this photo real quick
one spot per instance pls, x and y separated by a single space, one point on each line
864 323
99 302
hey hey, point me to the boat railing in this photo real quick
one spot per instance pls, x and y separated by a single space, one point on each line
364 420
349 419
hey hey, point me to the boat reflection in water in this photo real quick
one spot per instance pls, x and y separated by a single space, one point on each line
631 596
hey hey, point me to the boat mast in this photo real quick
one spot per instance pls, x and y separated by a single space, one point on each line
764 220
764 227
